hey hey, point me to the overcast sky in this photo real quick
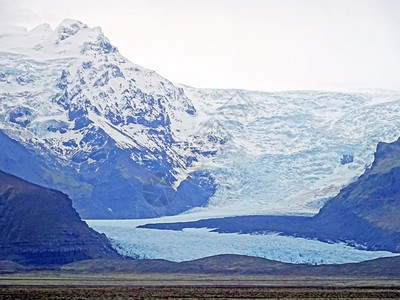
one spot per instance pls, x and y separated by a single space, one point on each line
251 44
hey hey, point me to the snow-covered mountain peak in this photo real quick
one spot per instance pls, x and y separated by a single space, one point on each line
71 38
69 95
69 27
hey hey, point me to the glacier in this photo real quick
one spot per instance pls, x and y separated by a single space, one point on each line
190 244
290 152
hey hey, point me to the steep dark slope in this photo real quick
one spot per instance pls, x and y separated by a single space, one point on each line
365 213
38 226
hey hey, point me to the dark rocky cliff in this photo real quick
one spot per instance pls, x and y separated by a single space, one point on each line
38 226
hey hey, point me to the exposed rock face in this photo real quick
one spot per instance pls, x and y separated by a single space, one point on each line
38 226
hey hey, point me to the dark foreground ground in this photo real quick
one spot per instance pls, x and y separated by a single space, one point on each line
61 285
195 293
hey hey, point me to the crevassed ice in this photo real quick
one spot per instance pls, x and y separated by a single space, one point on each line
284 151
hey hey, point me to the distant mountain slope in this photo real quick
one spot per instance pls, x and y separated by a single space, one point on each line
38 226
364 213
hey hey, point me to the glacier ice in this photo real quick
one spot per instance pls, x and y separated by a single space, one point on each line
192 244
289 152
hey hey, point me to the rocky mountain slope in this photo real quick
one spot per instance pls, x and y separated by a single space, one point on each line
38 226
364 213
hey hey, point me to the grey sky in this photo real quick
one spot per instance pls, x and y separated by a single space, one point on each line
252 44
